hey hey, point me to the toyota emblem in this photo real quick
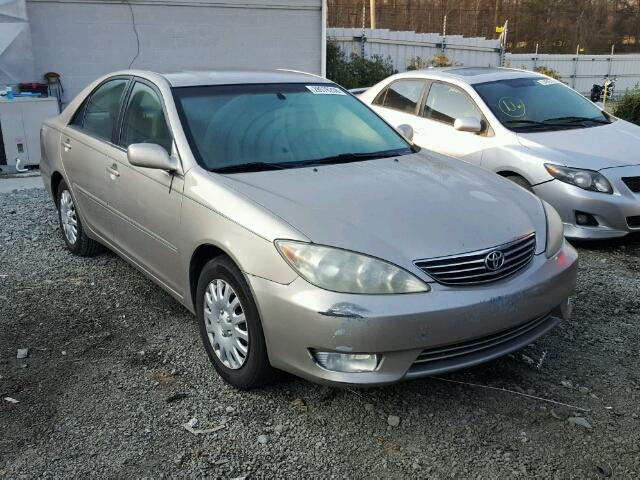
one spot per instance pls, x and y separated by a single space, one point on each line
494 260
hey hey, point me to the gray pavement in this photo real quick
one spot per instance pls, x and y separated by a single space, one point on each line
8 183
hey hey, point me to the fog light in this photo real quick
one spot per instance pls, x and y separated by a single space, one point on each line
346 362
586 219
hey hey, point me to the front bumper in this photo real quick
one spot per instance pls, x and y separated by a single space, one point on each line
611 211
299 317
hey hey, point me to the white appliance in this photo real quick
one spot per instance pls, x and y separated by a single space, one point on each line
20 122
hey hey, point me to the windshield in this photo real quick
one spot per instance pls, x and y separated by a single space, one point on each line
530 104
256 127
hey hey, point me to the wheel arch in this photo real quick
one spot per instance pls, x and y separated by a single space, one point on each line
509 173
56 178
199 258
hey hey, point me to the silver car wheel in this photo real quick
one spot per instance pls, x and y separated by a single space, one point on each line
226 324
68 217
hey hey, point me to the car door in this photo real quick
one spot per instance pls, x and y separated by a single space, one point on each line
86 143
147 202
399 102
443 104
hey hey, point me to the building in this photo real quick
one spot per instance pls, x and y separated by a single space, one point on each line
84 39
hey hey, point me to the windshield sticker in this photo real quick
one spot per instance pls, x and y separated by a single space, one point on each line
512 107
324 90
547 81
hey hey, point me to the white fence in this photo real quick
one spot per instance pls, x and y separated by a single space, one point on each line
577 71
582 71
401 47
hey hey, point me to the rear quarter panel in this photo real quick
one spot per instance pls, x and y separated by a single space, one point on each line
51 155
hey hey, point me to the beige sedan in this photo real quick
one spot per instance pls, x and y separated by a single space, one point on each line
305 233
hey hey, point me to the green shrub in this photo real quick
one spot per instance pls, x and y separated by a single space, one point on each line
628 107
440 60
354 71
419 63
549 72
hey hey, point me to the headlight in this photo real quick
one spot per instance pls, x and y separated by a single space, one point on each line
555 230
586 179
347 272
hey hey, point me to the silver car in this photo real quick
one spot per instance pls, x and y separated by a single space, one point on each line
304 232
531 129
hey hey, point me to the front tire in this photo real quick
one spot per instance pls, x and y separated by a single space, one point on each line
71 226
230 326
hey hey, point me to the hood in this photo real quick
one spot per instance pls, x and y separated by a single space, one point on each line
594 148
420 206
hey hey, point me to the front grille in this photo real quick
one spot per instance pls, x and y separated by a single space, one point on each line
633 183
472 268
476 346
633 222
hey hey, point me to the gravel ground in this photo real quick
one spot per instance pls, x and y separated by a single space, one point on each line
115 367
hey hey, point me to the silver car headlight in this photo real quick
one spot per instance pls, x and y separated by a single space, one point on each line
343 271
555 230
586 179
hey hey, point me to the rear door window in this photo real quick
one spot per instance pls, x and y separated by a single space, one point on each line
403 95
101 111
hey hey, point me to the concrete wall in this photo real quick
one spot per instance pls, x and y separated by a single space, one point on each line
83 39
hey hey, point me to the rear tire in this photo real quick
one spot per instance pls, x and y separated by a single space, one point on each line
518 180
230 326
71 226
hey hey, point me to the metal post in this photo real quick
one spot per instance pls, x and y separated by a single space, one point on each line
575 67
363 38
444 35
503 42
323 35
535 59
611 60
372 13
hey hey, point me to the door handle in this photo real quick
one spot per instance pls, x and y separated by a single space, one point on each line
67 145
113 170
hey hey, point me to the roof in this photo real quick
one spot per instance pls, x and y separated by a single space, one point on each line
239 77
472 75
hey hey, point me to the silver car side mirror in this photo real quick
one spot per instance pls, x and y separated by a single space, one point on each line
468 124
150 155
406 131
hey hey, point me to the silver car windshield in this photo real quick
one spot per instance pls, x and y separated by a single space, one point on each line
534 103
235 128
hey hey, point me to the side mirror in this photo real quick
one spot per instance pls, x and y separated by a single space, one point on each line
406 131
150 155
468 124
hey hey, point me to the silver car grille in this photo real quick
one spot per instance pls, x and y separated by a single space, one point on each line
482 266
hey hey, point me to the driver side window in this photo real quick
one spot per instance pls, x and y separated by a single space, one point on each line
144 120
446 103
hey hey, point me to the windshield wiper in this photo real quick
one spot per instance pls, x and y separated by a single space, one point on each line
250 167
570 120
342 158
534 124
356 157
